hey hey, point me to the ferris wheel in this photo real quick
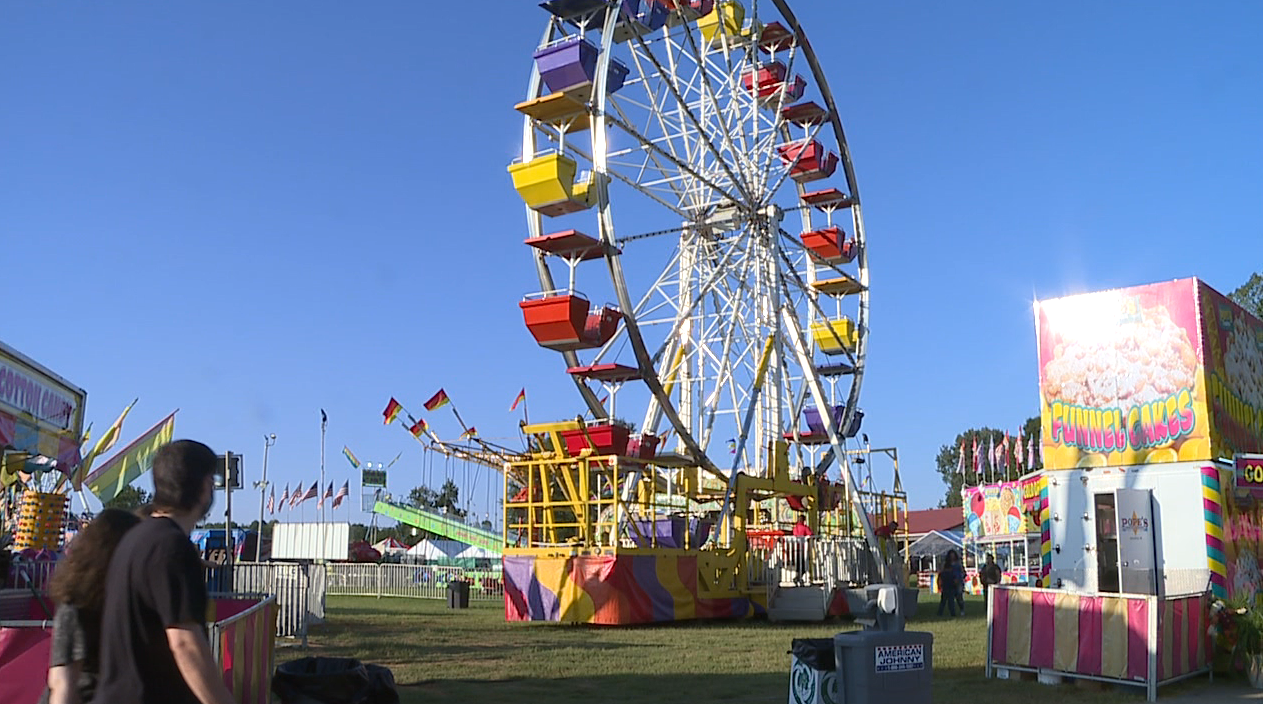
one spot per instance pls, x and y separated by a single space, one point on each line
694 148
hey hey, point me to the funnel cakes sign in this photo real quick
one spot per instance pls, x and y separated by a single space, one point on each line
1123 377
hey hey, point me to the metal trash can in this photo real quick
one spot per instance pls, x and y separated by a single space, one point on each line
878 667
812 671
458 594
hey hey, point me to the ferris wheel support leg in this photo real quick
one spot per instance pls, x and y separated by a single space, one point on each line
751 407
795 334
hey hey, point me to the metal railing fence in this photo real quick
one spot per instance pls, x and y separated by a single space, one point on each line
299 589
415 581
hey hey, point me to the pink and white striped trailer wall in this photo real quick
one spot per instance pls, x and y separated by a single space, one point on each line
1127 638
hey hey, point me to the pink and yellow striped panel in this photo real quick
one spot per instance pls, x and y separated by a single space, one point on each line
1101 636
247 652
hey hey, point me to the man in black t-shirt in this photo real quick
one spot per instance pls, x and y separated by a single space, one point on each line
153 633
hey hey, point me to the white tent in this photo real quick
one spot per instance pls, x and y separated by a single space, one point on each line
436 549
477 553
390 546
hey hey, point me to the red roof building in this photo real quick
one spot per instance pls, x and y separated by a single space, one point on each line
941 519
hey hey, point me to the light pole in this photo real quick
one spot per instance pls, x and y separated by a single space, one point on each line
262 485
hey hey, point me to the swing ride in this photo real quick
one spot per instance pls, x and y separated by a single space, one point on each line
685 134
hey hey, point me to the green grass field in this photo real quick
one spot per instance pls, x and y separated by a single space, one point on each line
473 655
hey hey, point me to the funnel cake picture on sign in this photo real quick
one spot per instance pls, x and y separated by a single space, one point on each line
1120 377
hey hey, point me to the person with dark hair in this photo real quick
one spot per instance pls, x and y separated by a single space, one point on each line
76 588
153 635
951 583
989 574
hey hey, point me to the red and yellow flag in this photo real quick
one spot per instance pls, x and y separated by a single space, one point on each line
471 433
521 396
437 401
392 410
417 428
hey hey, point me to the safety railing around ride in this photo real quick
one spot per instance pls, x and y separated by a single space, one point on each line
416 581
817 559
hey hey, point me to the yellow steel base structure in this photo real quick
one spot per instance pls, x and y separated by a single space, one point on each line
611 539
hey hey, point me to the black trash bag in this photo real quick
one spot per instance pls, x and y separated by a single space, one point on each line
816 653
334 681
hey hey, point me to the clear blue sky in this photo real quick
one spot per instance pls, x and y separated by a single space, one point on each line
252 211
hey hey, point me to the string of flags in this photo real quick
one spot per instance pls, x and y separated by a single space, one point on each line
417 427
1016 452
293 500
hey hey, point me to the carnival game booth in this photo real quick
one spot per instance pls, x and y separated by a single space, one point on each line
1144 391
41 424
1007 520
241 631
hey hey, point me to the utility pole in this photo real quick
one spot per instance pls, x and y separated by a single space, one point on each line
228 506
262 485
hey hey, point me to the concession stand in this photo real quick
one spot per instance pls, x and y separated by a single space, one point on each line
1148 395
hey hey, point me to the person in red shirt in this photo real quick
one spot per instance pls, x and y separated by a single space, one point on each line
801 529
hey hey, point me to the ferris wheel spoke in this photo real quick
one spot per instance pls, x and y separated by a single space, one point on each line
693 120
652 156
651 146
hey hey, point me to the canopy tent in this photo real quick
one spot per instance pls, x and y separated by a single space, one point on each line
390 546
931 547
478 553
437 549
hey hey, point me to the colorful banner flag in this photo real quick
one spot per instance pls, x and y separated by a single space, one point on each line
991 454
392 410
297 496
417 428
1004 452
102 446
272 501
977 457
521 396
471 433
350 456
342 493
131 462
960 458
1019 449
437 401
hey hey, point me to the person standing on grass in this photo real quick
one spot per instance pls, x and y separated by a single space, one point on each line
76 655
989 575
153 633
950 583
960 584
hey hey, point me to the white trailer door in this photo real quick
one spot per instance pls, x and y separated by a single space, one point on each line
1136 556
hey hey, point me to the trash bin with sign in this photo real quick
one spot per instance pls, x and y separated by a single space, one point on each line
883 666
458 594
812 672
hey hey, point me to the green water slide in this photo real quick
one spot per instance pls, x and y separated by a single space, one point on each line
451 528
